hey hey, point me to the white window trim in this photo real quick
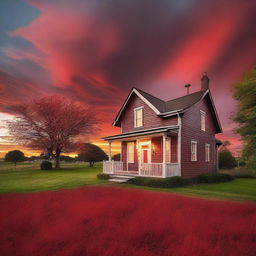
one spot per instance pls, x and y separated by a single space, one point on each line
207 152
134 114
130 162
202 114
145 143
193 142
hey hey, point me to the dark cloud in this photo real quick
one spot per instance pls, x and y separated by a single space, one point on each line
95 51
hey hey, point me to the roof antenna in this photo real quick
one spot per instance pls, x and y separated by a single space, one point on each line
187 86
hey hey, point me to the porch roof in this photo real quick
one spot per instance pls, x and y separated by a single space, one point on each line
142 132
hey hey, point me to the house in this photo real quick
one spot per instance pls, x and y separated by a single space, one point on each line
166 138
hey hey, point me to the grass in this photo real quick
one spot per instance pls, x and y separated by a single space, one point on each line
28 177
238 189
109 221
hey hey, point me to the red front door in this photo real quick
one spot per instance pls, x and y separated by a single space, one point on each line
145 156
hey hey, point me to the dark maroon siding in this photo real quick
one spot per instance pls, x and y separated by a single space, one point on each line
124 153
156 156
150 119
131 166
191 130
174 149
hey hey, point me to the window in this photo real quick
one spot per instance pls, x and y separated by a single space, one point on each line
202 113
138 117
207 152
130 152
193 150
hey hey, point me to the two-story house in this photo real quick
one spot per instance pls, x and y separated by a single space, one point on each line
166 138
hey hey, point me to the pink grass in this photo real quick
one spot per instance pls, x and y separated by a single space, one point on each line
109 221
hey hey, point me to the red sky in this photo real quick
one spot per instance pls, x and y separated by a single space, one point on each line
95 51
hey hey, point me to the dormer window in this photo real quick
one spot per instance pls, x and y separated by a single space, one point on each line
138 117
202 114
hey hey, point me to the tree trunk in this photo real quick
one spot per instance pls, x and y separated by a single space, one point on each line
91 163
57 159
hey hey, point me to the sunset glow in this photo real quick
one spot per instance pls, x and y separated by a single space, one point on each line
94 52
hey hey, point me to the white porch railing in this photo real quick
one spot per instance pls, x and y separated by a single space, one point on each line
112 166
151 169
145 169
172 169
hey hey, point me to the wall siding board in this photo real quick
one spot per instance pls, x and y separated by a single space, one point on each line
150 119
157 156
191 130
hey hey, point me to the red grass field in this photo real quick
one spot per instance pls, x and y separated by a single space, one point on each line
109 221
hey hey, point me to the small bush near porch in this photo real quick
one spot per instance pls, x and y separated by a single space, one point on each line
171 182
177 181
109 221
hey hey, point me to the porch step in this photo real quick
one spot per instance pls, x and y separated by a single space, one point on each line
120 178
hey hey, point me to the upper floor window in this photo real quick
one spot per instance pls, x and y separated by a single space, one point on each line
202 114
130 152
193 150
207 152
138 117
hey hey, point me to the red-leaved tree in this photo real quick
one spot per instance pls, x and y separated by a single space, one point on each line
52 124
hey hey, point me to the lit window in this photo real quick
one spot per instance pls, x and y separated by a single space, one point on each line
207 152
138 117
202 113
130 152
193 150
168 150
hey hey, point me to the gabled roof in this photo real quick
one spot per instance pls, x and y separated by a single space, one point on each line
171 107
184 102
158 103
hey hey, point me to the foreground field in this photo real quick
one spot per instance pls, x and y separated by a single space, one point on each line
28 178
117 221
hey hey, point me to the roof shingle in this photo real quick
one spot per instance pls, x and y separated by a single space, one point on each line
183 102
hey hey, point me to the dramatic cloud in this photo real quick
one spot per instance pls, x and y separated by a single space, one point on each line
95 51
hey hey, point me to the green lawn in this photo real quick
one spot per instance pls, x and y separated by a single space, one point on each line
238 189
28 177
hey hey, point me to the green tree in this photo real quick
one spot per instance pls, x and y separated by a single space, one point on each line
14 156
91 153
226 160
245 93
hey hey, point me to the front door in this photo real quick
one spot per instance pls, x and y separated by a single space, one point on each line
145 156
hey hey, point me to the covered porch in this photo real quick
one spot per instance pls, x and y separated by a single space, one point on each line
156 154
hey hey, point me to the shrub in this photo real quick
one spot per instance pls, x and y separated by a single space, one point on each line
46 165
241 173
159 182
226 160
103 176
213 177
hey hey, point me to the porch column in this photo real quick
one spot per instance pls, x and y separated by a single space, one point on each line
109 150
164 156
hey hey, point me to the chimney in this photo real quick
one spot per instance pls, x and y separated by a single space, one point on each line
205 82
187 86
